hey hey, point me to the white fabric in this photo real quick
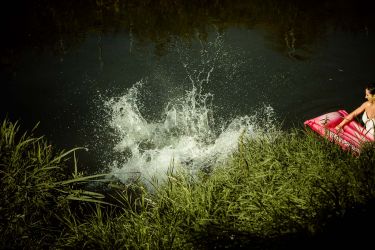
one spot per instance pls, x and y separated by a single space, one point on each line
369 123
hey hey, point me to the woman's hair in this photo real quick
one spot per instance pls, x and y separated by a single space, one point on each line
371 88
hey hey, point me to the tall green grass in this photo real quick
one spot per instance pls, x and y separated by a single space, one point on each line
35 189
279 185
287 184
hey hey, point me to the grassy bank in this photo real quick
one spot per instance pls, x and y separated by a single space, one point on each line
289 190
39 187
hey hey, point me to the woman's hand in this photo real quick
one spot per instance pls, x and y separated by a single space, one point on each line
338 128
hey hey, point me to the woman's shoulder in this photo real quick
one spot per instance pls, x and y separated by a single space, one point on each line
361 108
366 104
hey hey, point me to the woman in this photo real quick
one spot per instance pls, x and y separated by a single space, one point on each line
368 110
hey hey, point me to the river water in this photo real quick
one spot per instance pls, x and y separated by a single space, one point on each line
147 85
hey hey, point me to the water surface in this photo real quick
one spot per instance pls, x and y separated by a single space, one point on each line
74 66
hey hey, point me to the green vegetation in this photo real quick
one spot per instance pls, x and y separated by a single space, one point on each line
274 188
36 189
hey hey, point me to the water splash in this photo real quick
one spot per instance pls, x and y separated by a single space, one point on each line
184 136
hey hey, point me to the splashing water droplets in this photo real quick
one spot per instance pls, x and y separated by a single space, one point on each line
184 136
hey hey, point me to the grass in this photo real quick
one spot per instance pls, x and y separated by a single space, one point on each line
35 188
291 189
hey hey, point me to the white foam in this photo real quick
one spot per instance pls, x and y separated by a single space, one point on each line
183 137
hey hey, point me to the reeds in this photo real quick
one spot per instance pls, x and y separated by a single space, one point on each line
35 188
277 186
280 185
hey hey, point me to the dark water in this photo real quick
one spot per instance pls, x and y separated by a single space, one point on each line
59 60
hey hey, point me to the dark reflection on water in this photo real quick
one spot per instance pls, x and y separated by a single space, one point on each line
303 58
290 26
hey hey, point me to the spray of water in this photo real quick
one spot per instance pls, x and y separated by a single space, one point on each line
184 136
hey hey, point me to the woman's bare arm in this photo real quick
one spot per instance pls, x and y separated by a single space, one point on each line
352 115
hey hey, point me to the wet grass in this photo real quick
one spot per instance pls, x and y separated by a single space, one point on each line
288 190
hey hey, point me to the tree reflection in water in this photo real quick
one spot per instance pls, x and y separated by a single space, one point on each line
290 26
